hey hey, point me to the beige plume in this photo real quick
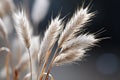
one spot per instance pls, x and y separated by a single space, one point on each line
78 20
22 27
51 36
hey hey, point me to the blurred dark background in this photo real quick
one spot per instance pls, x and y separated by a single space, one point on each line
103 61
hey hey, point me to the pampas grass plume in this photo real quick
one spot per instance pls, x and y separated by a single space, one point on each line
50 37
74 49
22 27
78 20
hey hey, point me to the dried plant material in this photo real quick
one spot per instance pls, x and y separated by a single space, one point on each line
28 76
15 75
23 64
69 57
3 72
51 36
71 47
74 49
79 19
7 67
6 6
3 31
35 42
4 49
39 10
81 42
23 30
51 77
22 27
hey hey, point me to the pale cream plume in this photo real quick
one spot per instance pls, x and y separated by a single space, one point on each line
78 20
22 27
81 42
75 48
69 57
23 31
51 36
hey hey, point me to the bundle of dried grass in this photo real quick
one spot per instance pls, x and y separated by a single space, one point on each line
73 47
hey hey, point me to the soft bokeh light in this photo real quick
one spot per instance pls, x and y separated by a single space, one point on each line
107 63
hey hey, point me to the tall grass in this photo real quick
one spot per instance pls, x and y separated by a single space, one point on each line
71 46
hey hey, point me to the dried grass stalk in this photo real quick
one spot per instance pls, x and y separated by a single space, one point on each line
74 49
3 31
28 76
51 36
23 31
81 42
4 49
69 57
7 67
22 27
78 20
35 42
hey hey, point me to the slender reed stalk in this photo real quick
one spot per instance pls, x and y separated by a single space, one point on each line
51 36
30 62
7 67
50 66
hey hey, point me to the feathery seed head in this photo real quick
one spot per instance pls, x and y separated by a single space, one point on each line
78 20
69 57
22 27
50 37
